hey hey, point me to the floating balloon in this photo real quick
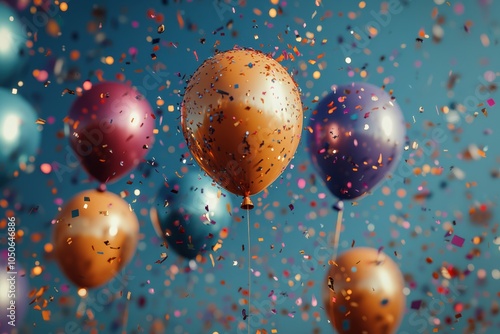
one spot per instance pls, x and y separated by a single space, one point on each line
111 129
14 294
191 214
13 50
364 293
357 134
95 236
19 5
242 120
19 136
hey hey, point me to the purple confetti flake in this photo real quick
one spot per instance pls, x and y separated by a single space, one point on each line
415 305
457 241
491 102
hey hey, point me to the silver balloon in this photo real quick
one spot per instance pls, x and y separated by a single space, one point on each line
13 51
19 135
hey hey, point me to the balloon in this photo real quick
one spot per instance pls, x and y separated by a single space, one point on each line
112 129
364 293
190 214
357 134
242 120
20 5
95 236
14 289
19 136
13 50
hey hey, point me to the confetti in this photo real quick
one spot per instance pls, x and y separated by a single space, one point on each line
457 241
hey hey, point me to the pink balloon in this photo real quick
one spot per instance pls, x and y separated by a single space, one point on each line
111 129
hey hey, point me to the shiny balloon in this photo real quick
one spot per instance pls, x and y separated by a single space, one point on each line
242 119
19 135
14 294
95 236
191 214
13 51
112 128
363 293
357 135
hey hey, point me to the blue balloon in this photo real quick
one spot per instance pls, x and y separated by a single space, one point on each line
13 51
19 136
357 138
189 214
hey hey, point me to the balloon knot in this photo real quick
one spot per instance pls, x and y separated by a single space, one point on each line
247 203
339 206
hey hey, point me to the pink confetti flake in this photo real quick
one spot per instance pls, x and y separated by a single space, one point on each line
457 241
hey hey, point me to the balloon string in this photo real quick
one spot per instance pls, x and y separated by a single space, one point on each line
249 270
125 318
337 234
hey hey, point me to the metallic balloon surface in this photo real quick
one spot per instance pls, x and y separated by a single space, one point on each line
19 135
13 51
242 119
14 294
95 236
112 128
363 293
357 135
190 214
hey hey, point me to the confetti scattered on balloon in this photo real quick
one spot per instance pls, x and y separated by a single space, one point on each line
363 292
357 133
95 236
242 119
192 215
111 129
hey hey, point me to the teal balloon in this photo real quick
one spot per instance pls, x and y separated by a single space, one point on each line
190 213
19 135
13 51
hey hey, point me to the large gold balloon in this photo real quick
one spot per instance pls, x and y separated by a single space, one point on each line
95 236
363 293
242 119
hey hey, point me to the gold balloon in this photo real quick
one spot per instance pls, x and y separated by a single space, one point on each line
363 293
242 119
95 236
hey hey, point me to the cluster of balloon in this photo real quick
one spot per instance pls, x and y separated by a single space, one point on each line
13 51
364 293
95 236
242 120
191 214
357 135
14 294
19 136
112 128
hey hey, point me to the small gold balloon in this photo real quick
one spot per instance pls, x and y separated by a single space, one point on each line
363 293
94 237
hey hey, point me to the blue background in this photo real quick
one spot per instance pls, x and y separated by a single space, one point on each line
409 217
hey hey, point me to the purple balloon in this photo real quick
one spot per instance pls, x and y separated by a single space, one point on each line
14 295
358 134
111 129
